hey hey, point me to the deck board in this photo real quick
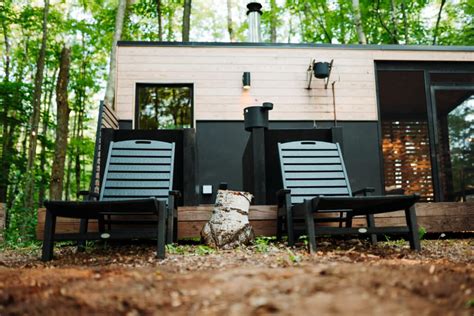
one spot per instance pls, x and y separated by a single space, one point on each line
434 217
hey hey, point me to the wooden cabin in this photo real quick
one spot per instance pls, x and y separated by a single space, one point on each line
394 109
392 102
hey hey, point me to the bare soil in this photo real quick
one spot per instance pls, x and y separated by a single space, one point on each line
346 277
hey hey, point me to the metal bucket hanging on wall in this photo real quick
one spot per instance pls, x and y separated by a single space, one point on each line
321 70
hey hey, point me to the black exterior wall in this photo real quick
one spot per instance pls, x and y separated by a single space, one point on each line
221 146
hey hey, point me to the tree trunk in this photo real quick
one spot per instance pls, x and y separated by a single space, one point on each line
160 20
110 90
67 193
358 22
230 24
77 169
273 20
393 17
186 20
405 22
57 173
44 176
170 16
435 31
34 123
6 39
5 162
229 225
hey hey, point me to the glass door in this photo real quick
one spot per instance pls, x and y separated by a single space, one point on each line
452 131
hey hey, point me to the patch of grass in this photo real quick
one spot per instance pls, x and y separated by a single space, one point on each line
203 250
396 243
303 239
421 232
200 250
26 247
176 249
470 303
294 258
262 244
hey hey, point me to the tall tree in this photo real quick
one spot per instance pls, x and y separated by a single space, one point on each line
358 22
62 129
435 31
35 118
6 143
273 21
393 31
160 20
186 20
44 139
119 19
230 23
405 22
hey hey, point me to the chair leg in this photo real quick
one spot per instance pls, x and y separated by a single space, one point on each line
161 207
341 217
348 219
371 224
81 244
279 232
101 222
309 221
410 215
170 217
289 221
48 239
175 227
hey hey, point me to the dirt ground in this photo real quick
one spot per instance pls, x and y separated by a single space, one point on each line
346 277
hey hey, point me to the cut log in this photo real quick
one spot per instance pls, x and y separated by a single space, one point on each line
229 225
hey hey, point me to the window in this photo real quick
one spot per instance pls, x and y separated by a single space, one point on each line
164 106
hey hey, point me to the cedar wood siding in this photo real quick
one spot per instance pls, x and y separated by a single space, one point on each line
278 75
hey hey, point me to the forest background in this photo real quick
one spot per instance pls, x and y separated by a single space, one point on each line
56 59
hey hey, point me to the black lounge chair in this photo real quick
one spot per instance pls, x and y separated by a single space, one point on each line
136 189
315 181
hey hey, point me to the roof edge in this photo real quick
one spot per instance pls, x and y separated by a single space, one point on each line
297 45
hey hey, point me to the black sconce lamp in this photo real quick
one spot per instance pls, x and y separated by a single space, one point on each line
246 80
321 70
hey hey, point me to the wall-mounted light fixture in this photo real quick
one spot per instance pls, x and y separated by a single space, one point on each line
246 80
321 70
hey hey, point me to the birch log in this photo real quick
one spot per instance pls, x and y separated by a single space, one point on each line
229 225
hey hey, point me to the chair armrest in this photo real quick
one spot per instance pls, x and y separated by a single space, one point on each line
364 191
175 193
90 195
281 195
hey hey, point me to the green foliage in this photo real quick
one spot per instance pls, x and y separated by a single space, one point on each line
22 221
176 249
294 258
470 303
200 250
262 244
304 239
421 232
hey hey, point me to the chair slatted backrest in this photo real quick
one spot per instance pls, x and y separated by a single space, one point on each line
138 169
313 168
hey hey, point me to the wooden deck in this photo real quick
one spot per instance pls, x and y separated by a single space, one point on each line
434 217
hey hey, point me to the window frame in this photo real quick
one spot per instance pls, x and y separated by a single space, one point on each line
167 85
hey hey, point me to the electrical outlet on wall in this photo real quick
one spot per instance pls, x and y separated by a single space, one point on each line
207 189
